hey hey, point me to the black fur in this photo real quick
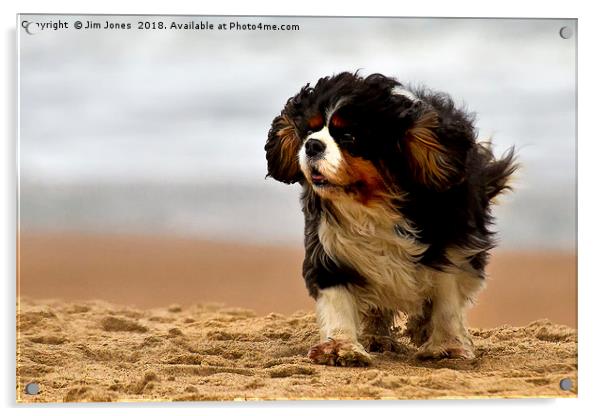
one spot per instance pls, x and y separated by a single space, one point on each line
454 211
319 270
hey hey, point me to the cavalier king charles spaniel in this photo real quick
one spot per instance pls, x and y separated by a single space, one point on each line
397 194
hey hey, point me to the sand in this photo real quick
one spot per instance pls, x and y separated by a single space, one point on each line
98 351
147 272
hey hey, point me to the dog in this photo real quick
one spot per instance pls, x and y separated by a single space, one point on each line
397 195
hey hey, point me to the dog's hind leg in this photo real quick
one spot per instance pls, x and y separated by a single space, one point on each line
418 327
379 332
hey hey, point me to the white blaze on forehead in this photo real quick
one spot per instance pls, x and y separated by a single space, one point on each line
398 90
334 109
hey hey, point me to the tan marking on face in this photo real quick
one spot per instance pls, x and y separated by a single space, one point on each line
316 122
355 178
363 172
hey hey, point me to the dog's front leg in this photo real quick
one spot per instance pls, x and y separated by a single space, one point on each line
338 319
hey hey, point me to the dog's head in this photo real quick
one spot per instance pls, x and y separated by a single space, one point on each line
350 136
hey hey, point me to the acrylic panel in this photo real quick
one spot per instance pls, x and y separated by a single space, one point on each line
188 233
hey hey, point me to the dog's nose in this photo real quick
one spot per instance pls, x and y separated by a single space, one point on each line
314 147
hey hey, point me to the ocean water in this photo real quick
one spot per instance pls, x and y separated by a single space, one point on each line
162 131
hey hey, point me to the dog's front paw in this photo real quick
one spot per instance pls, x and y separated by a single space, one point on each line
382 343
339 353
452 349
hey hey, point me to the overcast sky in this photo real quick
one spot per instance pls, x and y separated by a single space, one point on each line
185 113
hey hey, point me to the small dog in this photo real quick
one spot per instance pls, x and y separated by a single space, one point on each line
397 194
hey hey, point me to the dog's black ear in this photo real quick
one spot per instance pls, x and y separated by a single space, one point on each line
282 149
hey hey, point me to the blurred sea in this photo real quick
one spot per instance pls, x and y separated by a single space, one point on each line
162 132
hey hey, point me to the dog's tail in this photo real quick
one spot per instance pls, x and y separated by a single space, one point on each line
497 172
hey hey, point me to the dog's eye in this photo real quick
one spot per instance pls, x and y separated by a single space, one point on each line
338 122
347 139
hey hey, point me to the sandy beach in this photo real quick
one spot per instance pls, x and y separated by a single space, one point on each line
130 318
147 272
96 351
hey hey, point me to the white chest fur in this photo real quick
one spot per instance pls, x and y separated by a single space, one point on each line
365 238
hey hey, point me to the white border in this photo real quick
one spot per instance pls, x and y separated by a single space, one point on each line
589 188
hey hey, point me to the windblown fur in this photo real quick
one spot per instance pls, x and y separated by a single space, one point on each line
397 195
